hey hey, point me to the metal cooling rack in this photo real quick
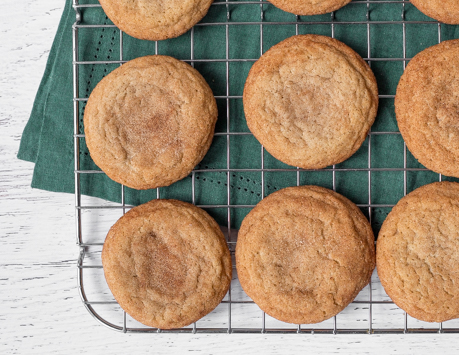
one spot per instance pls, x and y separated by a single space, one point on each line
370 322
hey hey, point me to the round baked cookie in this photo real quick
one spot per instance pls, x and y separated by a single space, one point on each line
167 263
304 253
148 123
427 107
310 100
446 11
155 19
417 253
309 7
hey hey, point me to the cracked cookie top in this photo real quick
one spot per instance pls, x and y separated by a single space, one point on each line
304 253
427 107
446 11
167 263
418 253
309 7
310 100
155 19
148 123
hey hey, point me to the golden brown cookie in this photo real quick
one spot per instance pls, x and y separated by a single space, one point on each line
167 263
310 100
309 7
304 253
427 107
155 19
417 253
149 122
446 11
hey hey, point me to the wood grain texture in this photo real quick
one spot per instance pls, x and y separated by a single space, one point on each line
40 308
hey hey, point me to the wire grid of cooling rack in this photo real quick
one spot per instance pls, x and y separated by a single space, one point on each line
333 327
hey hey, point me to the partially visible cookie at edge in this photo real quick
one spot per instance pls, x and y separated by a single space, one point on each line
155 20
304 253
309 7
446 11
167 263
417 253
150 122
427 107
310 100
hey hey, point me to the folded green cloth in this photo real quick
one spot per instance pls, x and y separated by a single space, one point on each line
48 137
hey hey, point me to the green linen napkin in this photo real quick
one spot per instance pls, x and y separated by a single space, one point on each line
48 137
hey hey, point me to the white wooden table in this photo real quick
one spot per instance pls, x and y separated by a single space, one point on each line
40 308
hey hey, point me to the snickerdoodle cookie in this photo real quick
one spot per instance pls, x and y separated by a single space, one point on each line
149 122
304 253
427 107
167 263
155 19
309 7
310 100
446 11
418 252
